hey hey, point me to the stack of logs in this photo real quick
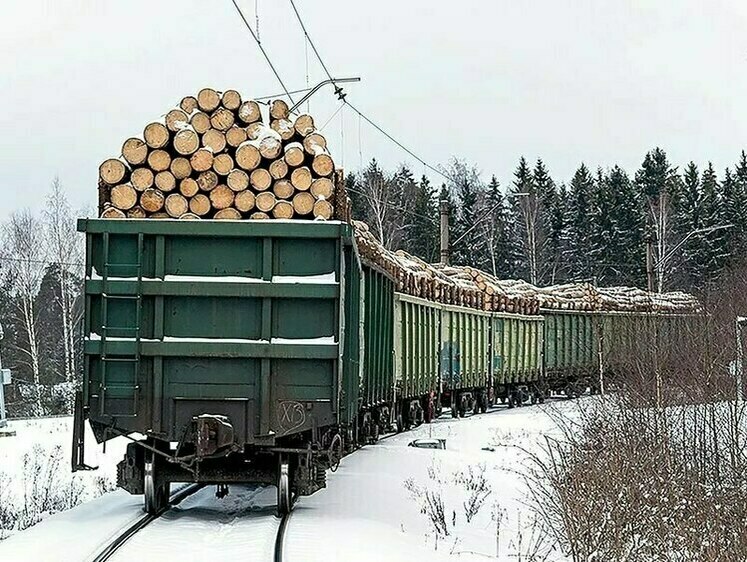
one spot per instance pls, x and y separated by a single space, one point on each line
466 286
213 157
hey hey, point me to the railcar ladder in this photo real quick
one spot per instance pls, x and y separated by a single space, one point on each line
119 390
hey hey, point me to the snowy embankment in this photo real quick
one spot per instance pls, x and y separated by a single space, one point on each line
386 502
35 477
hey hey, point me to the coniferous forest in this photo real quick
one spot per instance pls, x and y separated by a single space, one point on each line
593 227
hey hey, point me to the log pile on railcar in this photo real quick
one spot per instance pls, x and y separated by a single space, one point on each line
216 156
466 286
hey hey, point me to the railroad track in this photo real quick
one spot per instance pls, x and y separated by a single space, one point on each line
113 546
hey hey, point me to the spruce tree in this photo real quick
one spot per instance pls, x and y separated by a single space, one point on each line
525 217
713 242
580 224
497 233
424 236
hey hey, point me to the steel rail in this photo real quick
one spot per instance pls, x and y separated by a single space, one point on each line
108 551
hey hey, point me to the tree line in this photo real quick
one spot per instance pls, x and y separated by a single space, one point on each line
595 227
598 227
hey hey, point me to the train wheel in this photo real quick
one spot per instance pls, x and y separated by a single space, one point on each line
156 491
284 492
400 423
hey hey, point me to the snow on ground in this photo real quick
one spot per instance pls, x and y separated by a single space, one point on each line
35 476
372 508
375 507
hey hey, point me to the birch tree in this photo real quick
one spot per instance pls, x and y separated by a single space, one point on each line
65 251
25 253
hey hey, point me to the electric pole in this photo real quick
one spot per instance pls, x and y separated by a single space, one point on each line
444 229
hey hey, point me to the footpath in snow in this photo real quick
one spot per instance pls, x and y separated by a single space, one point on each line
386 502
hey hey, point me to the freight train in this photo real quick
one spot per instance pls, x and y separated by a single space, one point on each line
263 351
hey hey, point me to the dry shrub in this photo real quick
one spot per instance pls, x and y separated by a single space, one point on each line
658 470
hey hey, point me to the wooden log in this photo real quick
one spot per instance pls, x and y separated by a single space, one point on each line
141 178
237 180
188 104
137 212
279 109
265 201
160 215
214 140
322 188
278 169
176 120
176 205
222 119
283 189
207 180
186 142
304 125
260 179
201 160
323 165
112 171
282 210
229 213
152 200
315 144
222 164
135 151
323 209
259 215
235 136
221 197
200 122
301 178
188 187
284 128
181 168
303 203
199 204
270 147
248 156
244 201
208 99
231 99
159 160
255 130
112 213
249 112
123 196
294 154
165 181
156 135
189 216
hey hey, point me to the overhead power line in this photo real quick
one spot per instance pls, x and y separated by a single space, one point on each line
341 96
261 48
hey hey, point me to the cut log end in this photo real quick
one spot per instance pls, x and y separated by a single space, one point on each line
304 125
215 140
244 201
248 156
265 201
237 180
156 135
323 165
176 120
301 178
249 112
323 210
188 187
279 109
123 196
165 181
207 180
200 122
208 99
322 188
152 200
181 168
186 142
188 104
221 197
112 171
201 160
222 164
283 189
227 214
159 160
260 179
222 119
199 205
259 215
231 99
282 210
135 151
176 205
142 178
303 203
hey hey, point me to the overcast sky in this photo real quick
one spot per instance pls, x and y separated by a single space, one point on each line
595 81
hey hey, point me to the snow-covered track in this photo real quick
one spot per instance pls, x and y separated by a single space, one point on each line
113 546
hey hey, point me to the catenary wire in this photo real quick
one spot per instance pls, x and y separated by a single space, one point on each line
344 99
261 48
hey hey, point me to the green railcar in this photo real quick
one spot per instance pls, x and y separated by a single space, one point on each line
240 341
571 343
517 351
